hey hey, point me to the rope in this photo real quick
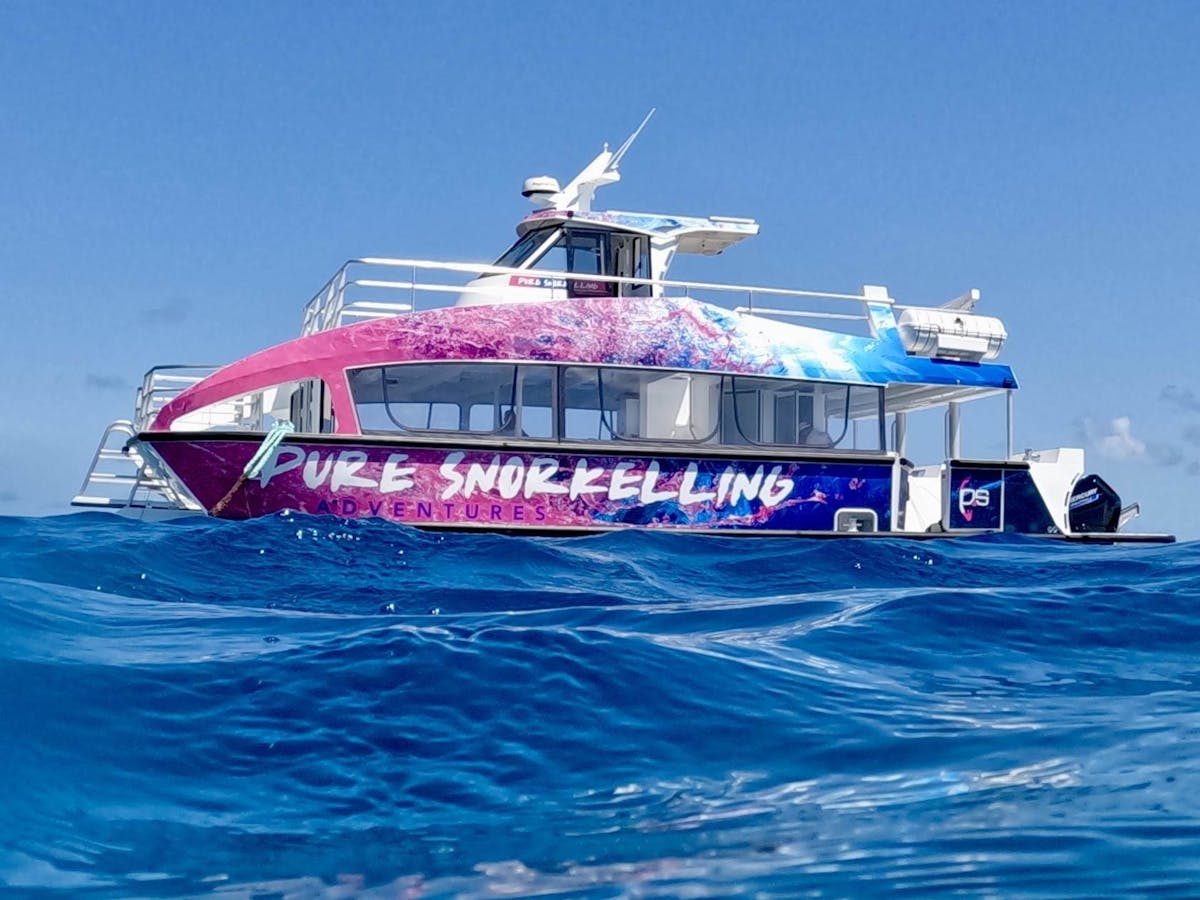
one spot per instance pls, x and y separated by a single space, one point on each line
273 439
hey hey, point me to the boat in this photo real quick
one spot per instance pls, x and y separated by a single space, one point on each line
571 386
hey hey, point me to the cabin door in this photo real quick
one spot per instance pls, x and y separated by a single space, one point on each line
588 254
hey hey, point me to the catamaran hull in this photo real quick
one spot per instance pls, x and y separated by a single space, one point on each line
526 490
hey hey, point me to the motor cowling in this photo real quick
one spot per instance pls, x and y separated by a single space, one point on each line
1094 507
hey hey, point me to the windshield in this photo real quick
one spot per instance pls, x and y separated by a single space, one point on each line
516 255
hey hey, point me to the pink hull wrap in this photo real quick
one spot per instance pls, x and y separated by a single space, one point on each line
640 332
501 488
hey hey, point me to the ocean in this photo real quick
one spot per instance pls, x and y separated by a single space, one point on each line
311 707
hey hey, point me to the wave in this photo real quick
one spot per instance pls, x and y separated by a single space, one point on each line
201 707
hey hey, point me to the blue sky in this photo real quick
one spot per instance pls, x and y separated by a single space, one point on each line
177 179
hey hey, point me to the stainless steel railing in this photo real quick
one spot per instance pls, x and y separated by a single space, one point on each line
160 385
351 294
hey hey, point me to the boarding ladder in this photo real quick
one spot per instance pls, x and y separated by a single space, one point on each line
120 478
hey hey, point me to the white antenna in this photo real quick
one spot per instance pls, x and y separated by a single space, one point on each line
600 171
624 148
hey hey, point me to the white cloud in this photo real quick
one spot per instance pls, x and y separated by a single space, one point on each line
1117 441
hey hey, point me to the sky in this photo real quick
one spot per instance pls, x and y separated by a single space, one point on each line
177 179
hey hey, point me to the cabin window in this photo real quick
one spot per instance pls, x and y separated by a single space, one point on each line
866 430
633 404
554 258
580 252
611 404
576 251
479 398
516 255
584 252
772 411
800 413
305 403
631 259
588 415
532 416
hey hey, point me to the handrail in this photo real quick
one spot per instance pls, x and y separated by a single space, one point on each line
329 308
796 313
160 384
487 269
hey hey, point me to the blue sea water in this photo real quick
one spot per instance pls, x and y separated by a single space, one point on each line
309 707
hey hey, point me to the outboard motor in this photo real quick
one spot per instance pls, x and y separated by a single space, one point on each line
1094 506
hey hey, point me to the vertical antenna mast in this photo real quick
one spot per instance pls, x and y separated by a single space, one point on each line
624 148
600 171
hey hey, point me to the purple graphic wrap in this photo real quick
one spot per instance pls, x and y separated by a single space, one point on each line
493 488
626 331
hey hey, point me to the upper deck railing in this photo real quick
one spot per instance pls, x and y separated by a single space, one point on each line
352 295
160 385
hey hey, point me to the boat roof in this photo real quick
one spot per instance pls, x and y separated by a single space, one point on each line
642 332
706 235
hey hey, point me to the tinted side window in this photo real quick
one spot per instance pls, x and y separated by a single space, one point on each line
515 255
595 403
478 398
800 413
630 404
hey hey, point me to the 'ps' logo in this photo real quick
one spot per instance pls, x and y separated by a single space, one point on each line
970 499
